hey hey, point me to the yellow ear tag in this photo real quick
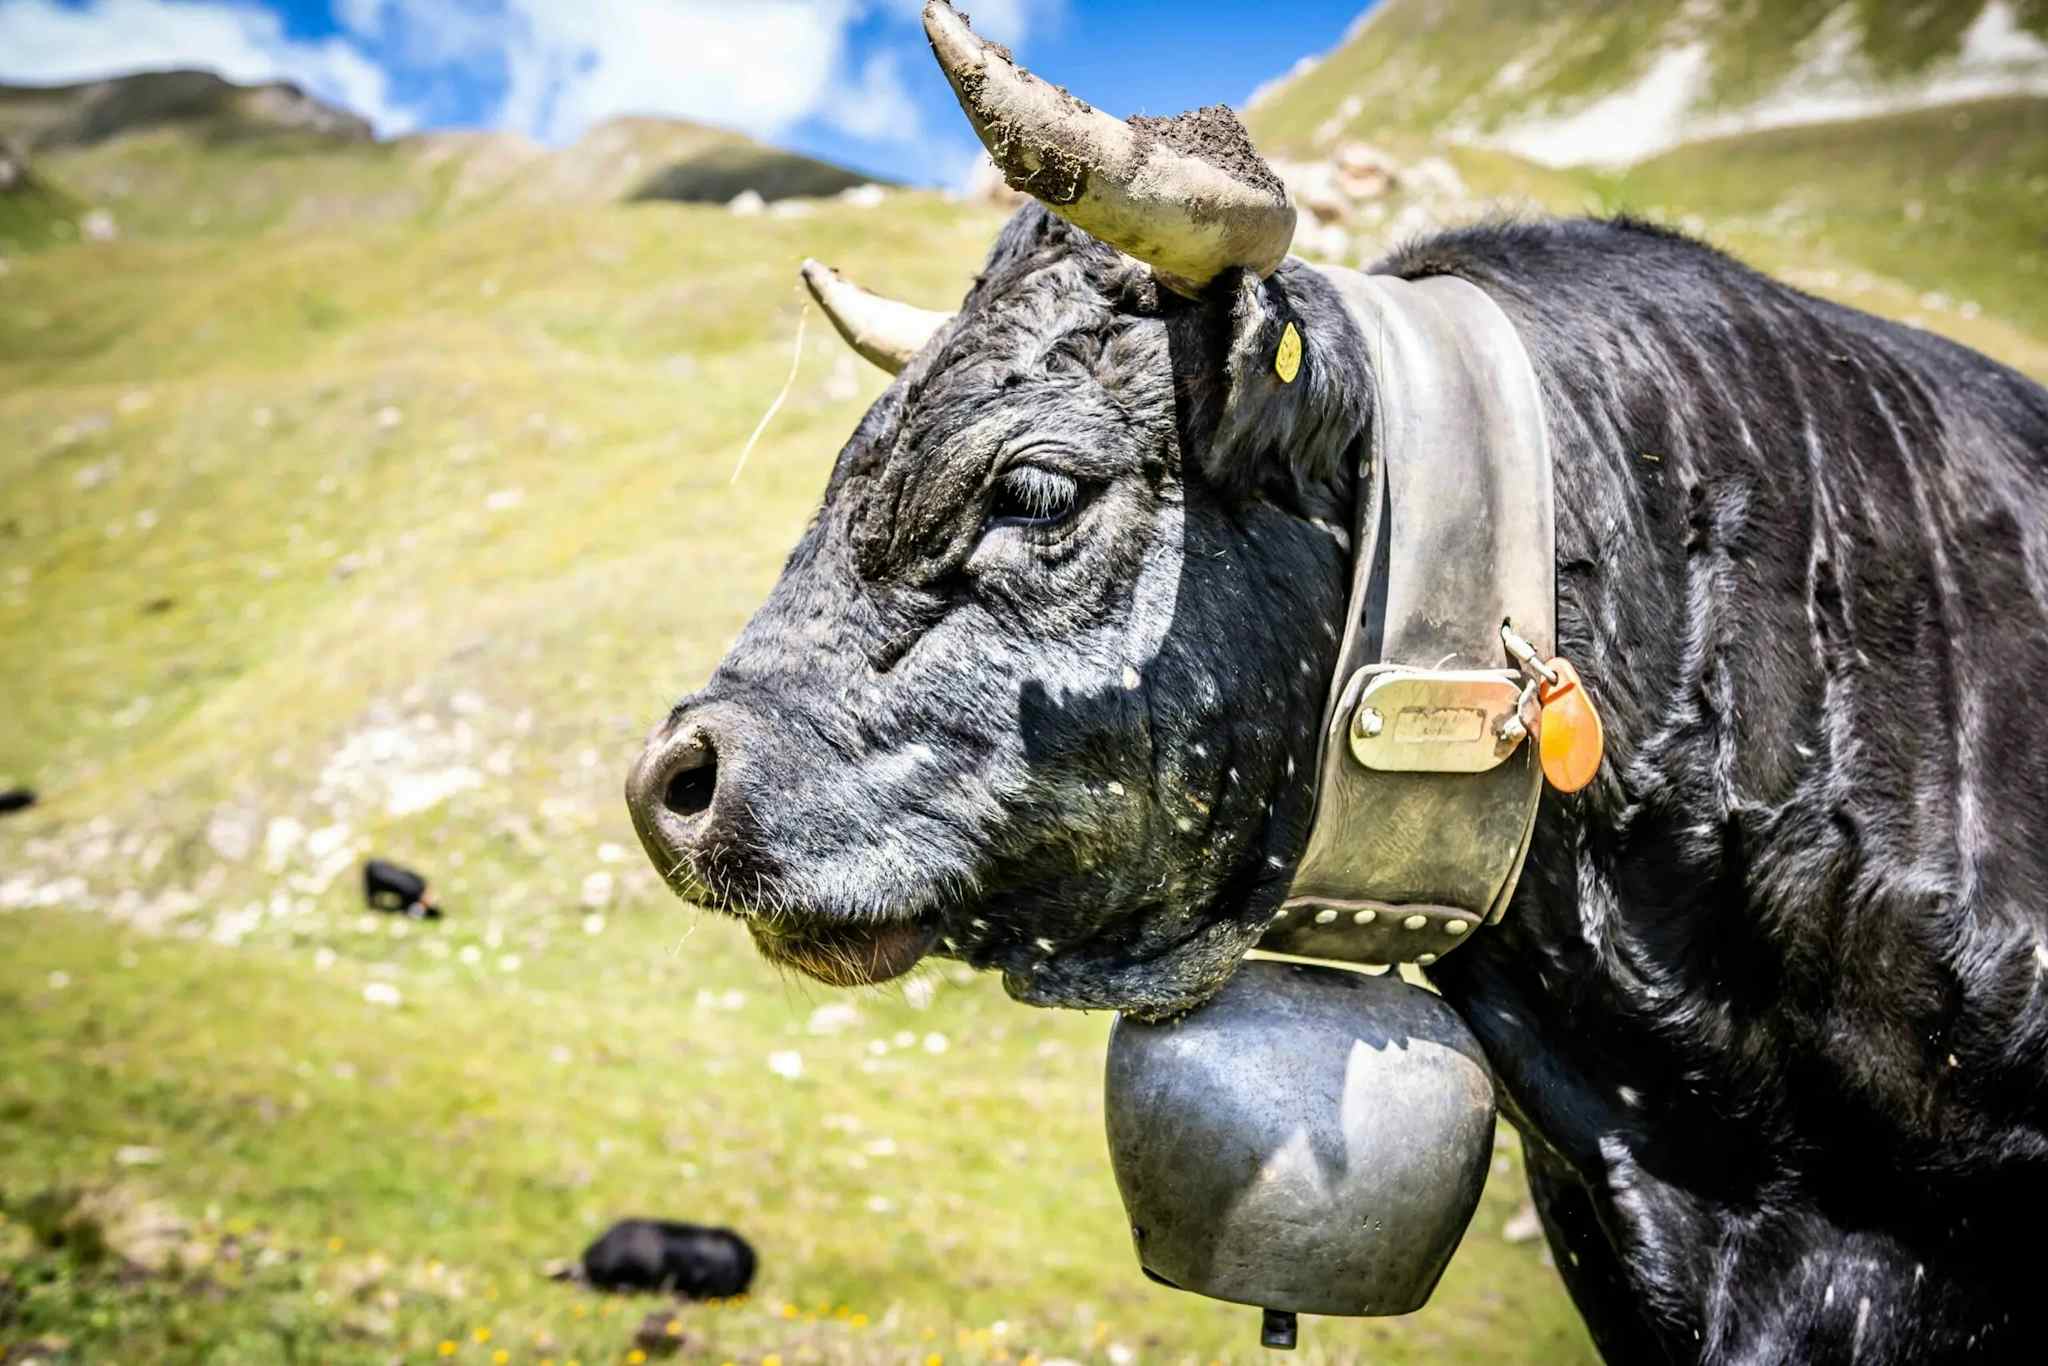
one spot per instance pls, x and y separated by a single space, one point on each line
1287 361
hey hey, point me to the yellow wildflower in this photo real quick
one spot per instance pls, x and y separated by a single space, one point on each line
635 1357
674 1328
447 1348
482 1335
501 1356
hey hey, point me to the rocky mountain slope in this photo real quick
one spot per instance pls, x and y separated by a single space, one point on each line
58 117
1564 83
184 153
1893 156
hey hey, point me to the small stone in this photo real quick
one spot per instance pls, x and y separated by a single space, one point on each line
382 994
834 1018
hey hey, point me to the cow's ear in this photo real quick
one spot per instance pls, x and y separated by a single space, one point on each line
1298 395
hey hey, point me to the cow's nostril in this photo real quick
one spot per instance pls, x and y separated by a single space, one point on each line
691 786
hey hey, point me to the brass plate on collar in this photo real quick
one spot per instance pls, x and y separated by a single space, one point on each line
1435 721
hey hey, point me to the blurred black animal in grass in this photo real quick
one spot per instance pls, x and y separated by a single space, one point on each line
16 799
690 1260
389 887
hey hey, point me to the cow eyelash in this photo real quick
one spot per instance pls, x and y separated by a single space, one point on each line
1033 496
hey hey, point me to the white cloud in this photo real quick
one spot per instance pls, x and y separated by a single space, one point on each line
760 66
877 107
364 18
554 67
46 43
1011 22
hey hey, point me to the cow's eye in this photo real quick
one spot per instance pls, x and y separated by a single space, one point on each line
1032 496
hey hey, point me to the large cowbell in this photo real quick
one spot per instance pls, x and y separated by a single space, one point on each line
1313 1140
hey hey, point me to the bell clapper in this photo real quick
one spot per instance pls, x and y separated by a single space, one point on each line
1277 1330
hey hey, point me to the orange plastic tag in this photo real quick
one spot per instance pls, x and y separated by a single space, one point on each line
1571 741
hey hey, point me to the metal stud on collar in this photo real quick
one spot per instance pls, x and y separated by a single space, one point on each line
1374 935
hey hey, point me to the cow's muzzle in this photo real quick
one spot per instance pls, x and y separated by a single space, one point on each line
678 803
690 793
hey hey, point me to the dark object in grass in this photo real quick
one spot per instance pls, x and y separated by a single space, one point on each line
661 1334
16 799
389 887
690 1260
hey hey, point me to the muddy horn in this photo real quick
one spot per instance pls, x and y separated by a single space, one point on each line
882 330
1188 196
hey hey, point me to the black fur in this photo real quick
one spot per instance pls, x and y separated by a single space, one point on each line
659 1254
392 887
1770 1005
1771 998
1028 739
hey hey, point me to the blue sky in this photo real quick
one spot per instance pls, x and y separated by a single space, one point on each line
850 80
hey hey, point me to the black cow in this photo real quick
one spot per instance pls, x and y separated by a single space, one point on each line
1039 689
660 1254
390 887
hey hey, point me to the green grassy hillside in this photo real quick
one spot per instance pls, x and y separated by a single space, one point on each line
373 498
1935 215
1951 202
394 540
201 104
1479 67
34 213
177 155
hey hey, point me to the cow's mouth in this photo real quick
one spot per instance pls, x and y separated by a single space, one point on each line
854 955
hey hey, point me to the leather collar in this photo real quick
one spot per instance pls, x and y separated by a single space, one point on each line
1426 790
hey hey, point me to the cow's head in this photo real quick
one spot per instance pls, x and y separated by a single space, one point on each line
1040 686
